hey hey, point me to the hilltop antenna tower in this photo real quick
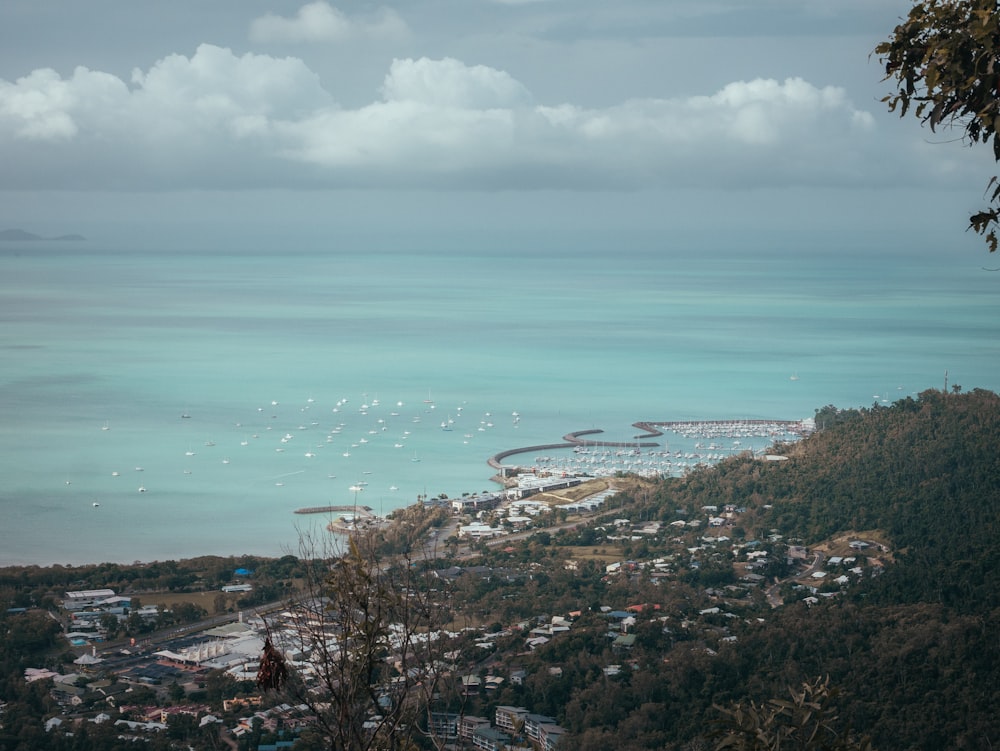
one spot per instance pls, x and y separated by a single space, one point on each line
946 382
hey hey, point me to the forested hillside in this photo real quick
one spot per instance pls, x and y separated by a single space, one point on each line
914 651
926 472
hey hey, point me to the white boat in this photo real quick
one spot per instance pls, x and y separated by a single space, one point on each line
96 504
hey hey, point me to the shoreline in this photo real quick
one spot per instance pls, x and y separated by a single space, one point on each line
576 440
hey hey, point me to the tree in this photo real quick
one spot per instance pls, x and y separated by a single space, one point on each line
806 722
110 623
945 59
371 663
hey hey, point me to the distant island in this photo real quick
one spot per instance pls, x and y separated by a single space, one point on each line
21 236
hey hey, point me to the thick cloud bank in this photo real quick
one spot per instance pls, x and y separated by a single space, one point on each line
219 119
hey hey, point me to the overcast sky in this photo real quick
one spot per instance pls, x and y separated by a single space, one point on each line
624 112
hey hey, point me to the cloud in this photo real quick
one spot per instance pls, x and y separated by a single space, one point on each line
221 120
320 22
451 83
41 106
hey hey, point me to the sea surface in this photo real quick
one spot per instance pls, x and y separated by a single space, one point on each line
162 401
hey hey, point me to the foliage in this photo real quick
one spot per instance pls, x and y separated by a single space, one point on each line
806 722
364 629
945 59
25 635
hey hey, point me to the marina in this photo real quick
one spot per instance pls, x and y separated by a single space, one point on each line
580 455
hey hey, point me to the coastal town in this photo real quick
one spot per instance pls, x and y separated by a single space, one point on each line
203 674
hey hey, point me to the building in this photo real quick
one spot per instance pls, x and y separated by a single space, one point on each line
444 725
533 724
86 598
490 739
469 724
510 718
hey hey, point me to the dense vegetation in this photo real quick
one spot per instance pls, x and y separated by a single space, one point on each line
913 652
911 655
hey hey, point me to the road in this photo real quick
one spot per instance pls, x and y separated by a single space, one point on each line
774 599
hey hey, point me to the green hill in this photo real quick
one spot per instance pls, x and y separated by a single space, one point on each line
914 651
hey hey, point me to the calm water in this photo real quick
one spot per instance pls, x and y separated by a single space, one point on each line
306 372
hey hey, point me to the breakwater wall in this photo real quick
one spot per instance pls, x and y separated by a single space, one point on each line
334 510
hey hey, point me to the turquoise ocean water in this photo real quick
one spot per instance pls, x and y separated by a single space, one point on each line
306 372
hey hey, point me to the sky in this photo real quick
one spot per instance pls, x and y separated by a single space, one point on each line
440 115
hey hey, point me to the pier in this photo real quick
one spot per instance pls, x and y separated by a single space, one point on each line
363 510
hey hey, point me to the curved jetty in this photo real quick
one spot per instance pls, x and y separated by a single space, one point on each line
333 509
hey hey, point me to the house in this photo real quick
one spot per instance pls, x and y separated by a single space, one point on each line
623 642
471 684
38 674
53 723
